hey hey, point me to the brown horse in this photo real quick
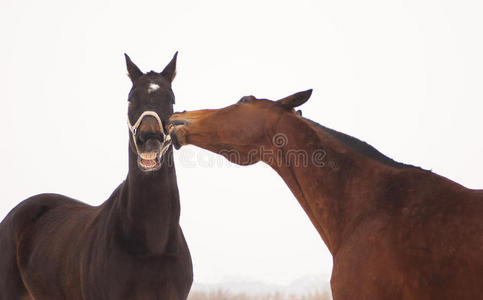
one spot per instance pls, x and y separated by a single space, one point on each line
130 247
395 231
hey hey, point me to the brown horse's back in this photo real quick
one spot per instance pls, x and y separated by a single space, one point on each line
425 236
51 238
36 223
11 285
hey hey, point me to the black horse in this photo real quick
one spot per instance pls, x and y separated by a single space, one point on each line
130 247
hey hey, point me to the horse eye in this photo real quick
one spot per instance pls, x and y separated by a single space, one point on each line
244 100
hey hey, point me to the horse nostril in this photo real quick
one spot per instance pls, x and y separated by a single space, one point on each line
143 137
140 140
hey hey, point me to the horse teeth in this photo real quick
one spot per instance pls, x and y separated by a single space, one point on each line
148 156
148 163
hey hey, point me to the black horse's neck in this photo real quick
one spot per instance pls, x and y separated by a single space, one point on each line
149 209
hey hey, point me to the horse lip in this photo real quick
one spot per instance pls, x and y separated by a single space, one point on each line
174 141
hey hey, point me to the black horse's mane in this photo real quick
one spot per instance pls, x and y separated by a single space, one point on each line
361 146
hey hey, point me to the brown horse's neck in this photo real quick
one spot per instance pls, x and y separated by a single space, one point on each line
149 209
332 183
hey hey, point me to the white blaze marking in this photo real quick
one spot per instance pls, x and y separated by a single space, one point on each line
153 87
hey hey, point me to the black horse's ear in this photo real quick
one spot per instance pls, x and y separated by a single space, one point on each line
169 71
296 99
132 70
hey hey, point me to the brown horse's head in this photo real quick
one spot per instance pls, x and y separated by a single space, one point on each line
150 106
241 132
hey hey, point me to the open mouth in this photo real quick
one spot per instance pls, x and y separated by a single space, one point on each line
152 160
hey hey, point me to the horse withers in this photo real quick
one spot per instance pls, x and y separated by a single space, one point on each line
130 247
395 231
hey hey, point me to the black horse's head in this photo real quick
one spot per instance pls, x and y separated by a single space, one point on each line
150 106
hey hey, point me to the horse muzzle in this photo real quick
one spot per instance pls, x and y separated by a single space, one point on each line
150 141
177 130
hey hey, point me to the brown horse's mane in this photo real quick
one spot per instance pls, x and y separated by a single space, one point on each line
361 147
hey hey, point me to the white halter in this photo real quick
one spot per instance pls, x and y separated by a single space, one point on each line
134 129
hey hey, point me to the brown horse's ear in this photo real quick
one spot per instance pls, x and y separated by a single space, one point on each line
169 71
132 70
296 99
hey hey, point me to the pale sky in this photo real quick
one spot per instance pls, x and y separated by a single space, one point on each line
405 76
